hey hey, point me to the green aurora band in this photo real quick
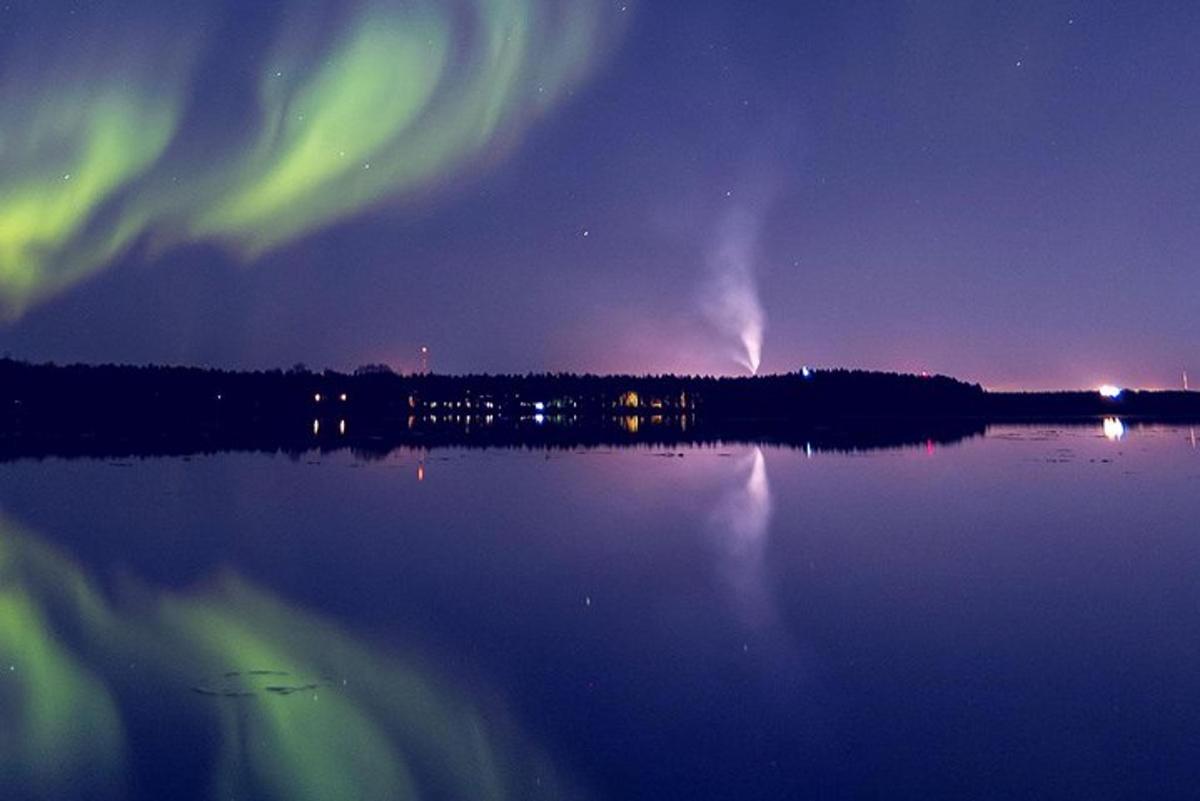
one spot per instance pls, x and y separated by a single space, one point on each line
381 728
78 128
341 107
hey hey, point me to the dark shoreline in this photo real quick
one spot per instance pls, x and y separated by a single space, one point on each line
115 411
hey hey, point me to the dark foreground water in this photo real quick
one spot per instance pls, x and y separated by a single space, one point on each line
1015 616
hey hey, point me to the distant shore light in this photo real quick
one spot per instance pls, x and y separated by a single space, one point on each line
1110 391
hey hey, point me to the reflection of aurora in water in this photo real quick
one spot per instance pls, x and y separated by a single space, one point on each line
80 674
107 134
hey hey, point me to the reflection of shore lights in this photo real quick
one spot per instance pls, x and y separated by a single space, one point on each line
539 418
344 397
342 427
317 398
1114 429
316 427
1109 391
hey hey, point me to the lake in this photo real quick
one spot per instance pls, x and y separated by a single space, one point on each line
1015 615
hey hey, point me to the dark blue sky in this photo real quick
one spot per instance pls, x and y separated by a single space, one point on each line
1007 192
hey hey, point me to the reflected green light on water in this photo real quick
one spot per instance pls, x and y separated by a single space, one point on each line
58 721
283 744
371 727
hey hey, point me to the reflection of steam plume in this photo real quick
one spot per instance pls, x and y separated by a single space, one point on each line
730 297
746 511
742 518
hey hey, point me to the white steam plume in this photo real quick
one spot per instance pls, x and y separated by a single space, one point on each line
729 297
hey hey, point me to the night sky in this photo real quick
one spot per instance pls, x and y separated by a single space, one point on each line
1008 192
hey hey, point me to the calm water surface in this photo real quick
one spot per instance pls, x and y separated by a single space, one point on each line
1014 616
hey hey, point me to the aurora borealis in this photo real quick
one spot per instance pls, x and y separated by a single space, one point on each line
108 137
81 124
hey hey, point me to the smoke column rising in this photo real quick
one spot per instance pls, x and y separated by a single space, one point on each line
729 298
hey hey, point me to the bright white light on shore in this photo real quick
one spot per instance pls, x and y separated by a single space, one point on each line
539 406
1109 391
1114 429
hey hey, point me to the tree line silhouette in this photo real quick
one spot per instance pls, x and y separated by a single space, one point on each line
47 402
